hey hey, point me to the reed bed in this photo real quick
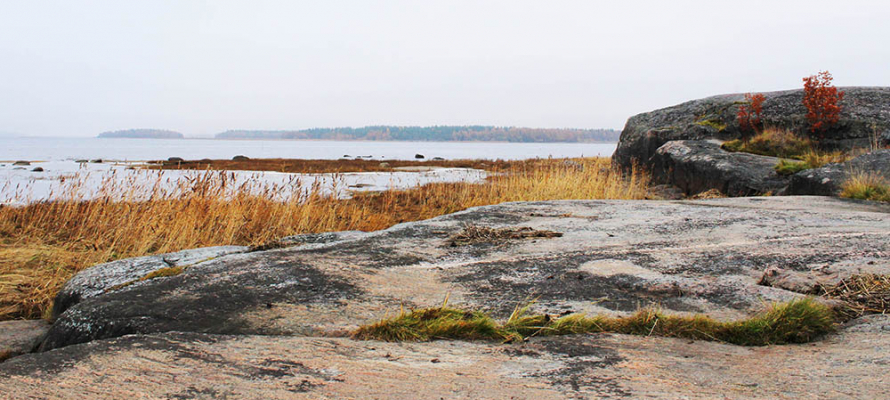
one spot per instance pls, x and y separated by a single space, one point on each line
42 244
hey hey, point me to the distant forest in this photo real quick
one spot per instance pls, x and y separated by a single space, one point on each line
434 133
142 134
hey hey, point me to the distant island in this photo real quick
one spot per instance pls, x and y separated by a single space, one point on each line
142 134
433 133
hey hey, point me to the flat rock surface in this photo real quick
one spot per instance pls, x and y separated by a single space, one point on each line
272 323
19 337
854 364
613 257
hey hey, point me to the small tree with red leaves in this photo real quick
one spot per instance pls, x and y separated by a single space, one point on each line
749 113
822 100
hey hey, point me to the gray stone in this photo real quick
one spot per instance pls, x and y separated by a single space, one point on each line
240 158
614 256
829 179
97 280
20 337
866 110
22 163
175 159
696 166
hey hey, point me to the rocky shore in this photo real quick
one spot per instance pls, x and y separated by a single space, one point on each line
273 322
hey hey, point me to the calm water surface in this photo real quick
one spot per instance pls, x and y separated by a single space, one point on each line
56 149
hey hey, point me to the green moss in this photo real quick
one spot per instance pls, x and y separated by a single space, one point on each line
797 321
713 123
787 167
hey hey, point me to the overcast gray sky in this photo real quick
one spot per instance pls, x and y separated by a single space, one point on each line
76 68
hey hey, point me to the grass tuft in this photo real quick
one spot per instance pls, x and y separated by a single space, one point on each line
864 186
772 142
797 321
809 160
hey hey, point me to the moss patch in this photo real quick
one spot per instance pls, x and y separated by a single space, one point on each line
160 273
716 124
788 167
797 321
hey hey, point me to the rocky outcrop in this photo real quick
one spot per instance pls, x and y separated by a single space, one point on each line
829 179
270 323
865 115
696 166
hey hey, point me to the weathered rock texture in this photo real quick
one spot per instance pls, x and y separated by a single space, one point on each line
829 179
286 307
865 114
20 337
852 365
696 166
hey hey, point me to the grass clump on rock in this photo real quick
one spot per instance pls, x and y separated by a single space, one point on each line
861 294
866 187
797 321
772 142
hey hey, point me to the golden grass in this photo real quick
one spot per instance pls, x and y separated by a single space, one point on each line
865 186
797 321
772 142
43 244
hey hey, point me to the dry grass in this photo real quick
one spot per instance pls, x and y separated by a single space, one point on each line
43 244
483 234
798 321
864 186
862 294
772 142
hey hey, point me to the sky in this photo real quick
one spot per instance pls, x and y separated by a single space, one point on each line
77 68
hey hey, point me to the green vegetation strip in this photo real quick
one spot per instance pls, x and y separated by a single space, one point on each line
798 321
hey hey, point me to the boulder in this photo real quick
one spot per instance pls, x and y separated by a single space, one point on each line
384 165
81 161
37 169
865 114
240 158
419 156
696 166
829 179
22 163
20 337
96 161
438 159
703 256
101 278
175 159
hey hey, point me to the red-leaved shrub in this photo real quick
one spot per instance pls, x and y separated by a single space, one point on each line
822 100
749 114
